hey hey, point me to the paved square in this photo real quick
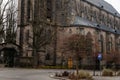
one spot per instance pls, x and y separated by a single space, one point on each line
37 74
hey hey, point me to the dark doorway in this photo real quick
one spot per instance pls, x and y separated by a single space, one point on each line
9 56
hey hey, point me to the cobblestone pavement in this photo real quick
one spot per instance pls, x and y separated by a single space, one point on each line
24 74
39 74
106 78
103 78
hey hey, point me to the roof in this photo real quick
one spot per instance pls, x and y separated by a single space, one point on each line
11 46
80 21
106 6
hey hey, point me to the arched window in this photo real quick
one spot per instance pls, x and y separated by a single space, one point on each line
109 44
111 40
28 10
89 44
117 44
101 40
49 9
47 57
70 31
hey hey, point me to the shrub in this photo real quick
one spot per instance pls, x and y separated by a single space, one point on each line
71 76
58 74
83 75
65 73
118 74
107 72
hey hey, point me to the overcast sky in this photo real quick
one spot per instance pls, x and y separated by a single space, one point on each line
115 4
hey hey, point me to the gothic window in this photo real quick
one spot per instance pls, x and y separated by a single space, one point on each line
99 17
95 15
117 23
101 43
70 30
109 44
89 43
49 9
112 25
81 10
81 30
27 36
85 12
111 40
48 33
108 22
47 57
119 45
105 20
90 14
102 19
108 47
28 10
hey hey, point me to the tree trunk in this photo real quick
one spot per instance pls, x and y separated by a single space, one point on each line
77 68
35 58
55 46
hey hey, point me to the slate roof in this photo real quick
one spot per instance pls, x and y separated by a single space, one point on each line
80 21
106 6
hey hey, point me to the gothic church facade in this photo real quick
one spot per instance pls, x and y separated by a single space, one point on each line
95 18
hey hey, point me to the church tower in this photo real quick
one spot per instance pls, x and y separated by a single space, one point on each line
30 14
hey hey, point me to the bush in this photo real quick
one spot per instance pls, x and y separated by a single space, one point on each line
62 74
65 73
83 75
71 76
118 74
107 72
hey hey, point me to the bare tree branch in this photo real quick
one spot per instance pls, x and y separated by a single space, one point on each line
8 20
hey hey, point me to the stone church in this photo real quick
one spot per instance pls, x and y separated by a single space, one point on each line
95 18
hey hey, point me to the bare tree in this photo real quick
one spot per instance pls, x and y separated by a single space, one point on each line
8 16
11 24
79 44
42 30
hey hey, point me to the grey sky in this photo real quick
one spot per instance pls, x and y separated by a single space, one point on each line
115 4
